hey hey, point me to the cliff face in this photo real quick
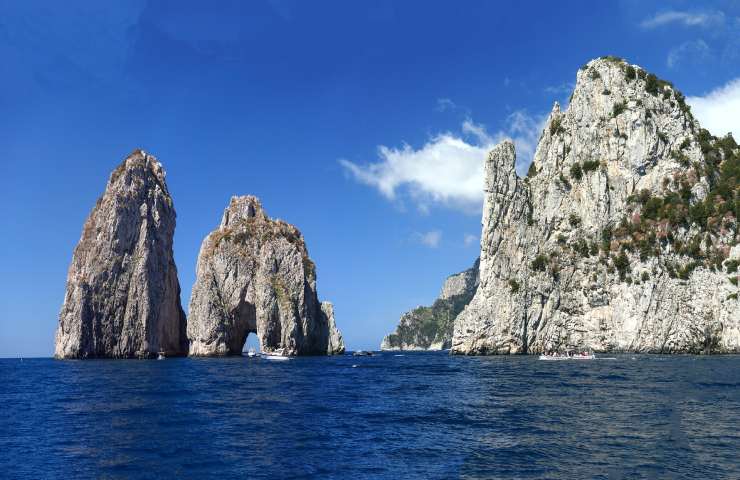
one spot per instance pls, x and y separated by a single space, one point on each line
622 237
430 328
123 297
254 276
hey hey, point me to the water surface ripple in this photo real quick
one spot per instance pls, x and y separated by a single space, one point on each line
421 415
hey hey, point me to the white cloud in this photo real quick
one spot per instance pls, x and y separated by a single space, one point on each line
719 110
470 239
448 169
430 239
696 19
693 51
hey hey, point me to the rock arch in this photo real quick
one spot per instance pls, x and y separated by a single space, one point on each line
254 276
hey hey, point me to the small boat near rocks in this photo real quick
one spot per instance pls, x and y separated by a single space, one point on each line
277 356
362 353
568 356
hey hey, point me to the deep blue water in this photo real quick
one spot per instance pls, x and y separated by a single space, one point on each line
422 415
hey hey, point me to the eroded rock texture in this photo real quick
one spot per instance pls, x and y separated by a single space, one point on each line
123 297
430 328
622 237
254 275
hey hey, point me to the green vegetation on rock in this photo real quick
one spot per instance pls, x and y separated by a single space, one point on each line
651 231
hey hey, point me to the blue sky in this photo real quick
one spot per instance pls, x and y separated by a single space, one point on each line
362 123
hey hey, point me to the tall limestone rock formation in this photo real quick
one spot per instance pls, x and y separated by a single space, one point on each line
430 328
622 237
123 297
254 275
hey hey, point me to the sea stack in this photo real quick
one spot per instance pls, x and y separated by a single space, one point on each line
623 236
123 296
254 275
431 328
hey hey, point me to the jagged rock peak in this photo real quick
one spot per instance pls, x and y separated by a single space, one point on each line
430 328
242 208
254 275
622 237
123 297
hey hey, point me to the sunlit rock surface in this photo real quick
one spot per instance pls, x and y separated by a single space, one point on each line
607 244
123 297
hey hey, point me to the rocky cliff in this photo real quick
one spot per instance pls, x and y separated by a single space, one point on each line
430 328
622 237
254 275
123 297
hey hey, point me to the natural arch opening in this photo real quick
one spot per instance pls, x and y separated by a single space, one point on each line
244 323
251 344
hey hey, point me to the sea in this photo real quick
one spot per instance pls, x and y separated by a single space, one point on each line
389 416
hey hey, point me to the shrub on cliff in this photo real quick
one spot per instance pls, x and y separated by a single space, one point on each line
629 73
576 172
539 264
590 166
556 127
618 109
622 264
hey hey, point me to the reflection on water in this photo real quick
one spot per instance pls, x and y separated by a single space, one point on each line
422 415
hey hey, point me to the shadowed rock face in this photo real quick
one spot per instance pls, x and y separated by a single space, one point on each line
123 297
603 245
254 276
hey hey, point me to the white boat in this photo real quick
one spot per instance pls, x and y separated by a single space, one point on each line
277 355
279 358
161 356
589 356
251 353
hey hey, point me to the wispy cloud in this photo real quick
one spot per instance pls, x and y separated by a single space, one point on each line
448 169
524 130
563 88
444 104
688 19
695 51
470 239
719 110
429 239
